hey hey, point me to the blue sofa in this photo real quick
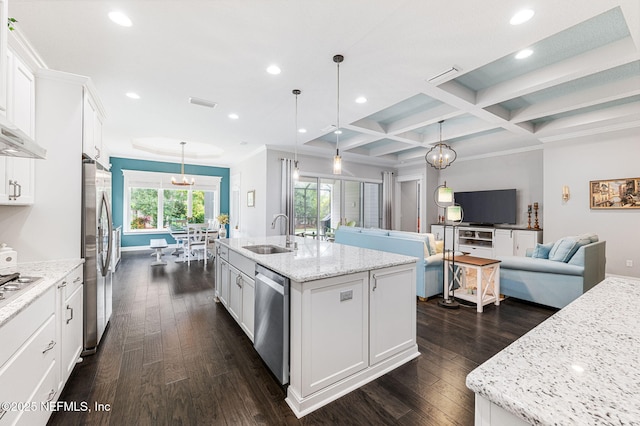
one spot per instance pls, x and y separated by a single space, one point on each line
550 282
428 266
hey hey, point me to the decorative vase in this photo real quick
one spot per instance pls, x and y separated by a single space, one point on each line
222 232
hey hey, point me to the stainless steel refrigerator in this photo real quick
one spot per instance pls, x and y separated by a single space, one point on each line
97 242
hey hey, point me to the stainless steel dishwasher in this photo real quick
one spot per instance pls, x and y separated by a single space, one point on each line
271 328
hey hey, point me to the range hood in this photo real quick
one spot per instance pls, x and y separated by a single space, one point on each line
15 143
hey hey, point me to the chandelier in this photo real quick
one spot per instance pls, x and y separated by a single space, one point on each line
441 155
184 181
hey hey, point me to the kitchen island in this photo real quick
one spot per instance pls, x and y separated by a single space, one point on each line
579 367
352 311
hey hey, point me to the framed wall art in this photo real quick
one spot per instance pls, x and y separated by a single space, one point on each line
615 193
251 198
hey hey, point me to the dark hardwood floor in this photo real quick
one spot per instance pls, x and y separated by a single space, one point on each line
171 356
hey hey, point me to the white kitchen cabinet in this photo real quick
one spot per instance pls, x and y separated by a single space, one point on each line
4 33
223 296
335 314
248 303
525 239
70 314
29 359
92 130
21 95
391 331
235 293
18 176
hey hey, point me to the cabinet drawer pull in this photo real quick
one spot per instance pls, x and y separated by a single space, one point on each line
71 309
375 282
63 284
49 347
51 395
76 280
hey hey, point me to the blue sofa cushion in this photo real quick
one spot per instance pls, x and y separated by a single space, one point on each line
566 247
375 231
412 236
540 265
541 251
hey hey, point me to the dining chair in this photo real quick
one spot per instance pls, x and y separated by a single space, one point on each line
197 242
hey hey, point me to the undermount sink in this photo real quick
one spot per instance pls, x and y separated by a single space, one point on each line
267 249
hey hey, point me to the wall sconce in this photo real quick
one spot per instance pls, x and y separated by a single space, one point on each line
565 193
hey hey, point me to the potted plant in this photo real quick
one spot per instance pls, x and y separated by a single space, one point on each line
223 219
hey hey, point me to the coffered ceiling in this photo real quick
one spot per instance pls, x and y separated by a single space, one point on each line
582 78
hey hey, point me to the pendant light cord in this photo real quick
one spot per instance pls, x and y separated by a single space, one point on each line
295 149
338 112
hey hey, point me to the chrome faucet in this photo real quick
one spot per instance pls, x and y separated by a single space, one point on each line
286 219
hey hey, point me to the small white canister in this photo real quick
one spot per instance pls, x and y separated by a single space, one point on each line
8 256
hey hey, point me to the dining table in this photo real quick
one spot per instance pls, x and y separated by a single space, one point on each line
180 234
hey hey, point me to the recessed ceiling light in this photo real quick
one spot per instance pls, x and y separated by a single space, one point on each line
133 95
361 100
274 69
120 18
234 116
302 130
524 54
521 17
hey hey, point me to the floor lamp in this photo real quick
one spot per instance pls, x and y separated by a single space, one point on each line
443 197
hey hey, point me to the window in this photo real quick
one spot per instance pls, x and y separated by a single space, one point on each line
322 204
153 204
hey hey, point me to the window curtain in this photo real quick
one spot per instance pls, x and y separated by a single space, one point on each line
286 205
387 199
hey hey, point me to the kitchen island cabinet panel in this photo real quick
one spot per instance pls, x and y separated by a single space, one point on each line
392 330
334 333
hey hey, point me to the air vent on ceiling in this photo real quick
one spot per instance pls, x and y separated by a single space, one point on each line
202 102
448 73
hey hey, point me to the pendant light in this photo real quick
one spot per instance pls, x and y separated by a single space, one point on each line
441 155
337 160
184 181
296 170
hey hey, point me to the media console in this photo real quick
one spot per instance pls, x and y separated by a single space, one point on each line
488 242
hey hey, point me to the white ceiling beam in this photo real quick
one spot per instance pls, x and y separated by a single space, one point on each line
408 156
585 98
389 149
592 120
368 125
359 140
423 118
606 57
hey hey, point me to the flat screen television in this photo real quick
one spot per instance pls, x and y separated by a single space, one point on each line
488 207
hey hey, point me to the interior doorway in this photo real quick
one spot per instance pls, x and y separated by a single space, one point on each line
410 206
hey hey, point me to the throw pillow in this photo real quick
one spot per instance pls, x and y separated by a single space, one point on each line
431 242
439 246
541 251
563 249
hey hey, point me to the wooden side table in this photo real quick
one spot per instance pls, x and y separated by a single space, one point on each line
487 273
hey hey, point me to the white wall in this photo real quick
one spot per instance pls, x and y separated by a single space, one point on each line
252 173
50 229
522 171
612 156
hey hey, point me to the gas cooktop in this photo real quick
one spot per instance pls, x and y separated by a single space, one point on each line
13 285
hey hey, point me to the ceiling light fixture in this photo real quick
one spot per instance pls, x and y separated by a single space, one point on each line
274 69
361 100
296 170
184 181
525 53
337 160
132 95
441 155
120 18
302 130
522 17
234 116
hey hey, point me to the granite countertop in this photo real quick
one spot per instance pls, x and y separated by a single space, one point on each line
52 271
579 367
315 259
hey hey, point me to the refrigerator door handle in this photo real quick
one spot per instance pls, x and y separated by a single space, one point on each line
106 262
